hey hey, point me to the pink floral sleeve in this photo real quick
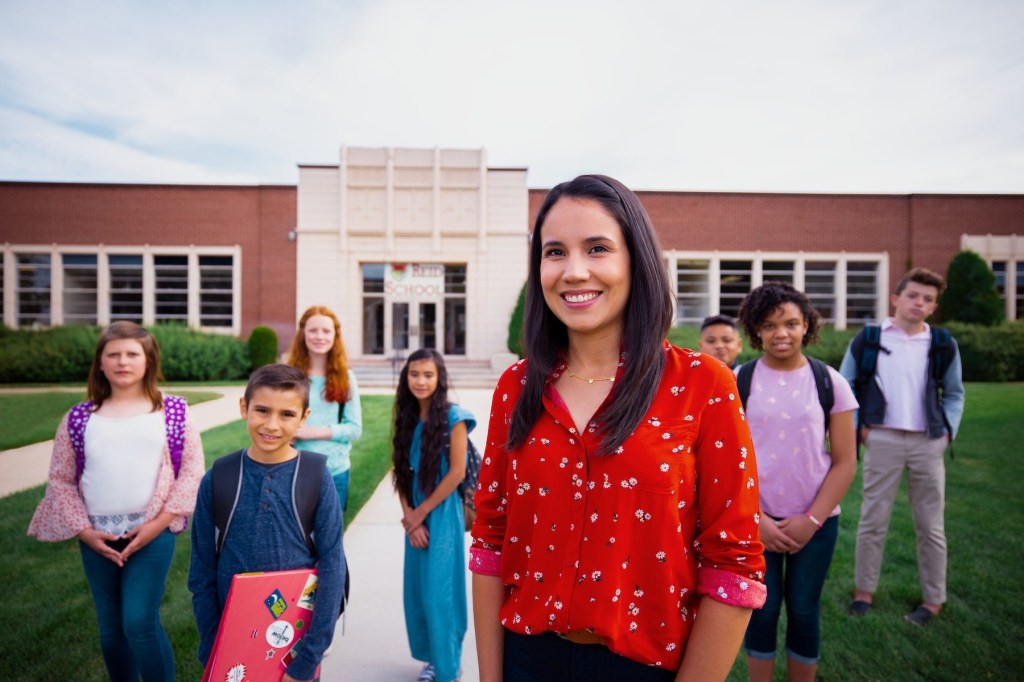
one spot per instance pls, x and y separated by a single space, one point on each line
61 515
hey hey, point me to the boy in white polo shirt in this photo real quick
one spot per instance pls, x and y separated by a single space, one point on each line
909 414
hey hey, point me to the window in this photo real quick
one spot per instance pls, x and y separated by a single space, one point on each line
777 270
126 288
735 285
861 292
79 288
373 308
171 293
820 287
455 279
455 309
693 302
32 292
216 291
999 272
1018 313
118 283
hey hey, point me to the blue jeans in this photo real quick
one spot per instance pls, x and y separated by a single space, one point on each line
549 658
127 602
341 485
798 580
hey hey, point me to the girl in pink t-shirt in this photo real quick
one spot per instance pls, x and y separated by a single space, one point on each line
802 475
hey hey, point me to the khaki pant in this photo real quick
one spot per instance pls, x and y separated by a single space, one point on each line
889 451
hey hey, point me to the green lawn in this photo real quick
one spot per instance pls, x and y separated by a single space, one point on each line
979 635
49 596
33 417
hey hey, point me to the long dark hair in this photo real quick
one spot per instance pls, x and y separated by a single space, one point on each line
435 431
646 317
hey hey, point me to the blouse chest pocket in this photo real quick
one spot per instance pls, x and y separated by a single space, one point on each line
657 457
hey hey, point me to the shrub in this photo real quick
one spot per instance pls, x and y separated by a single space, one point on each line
987 353
990 353
63 354
515 325
53 355
189 355
830 348
970 294
262 347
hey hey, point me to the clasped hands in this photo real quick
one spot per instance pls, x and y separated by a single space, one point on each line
786 536
139 537
412 522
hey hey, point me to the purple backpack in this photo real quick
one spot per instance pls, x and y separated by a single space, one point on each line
174 418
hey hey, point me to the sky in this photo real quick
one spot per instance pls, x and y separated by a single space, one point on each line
890 96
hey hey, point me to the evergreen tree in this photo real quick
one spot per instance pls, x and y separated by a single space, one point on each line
515 325
262 346
971 294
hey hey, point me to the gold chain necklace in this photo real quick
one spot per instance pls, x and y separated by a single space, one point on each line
589 381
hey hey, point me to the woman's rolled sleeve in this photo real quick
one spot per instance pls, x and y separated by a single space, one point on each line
731 566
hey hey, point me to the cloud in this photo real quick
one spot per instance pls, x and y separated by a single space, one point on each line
785 96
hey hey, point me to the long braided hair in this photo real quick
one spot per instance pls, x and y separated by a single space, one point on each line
435 431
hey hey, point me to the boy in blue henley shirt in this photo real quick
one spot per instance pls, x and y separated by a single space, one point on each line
264 534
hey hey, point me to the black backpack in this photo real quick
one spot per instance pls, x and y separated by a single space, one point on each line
309 472
865 347
822 381
467 489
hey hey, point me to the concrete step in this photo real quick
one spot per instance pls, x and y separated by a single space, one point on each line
461 374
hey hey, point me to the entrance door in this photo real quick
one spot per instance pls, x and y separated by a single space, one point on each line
414 325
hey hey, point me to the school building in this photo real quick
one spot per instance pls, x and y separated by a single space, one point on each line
428 247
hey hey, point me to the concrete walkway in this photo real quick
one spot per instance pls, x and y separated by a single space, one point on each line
374 647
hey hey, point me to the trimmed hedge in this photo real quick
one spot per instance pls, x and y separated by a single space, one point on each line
988 353
63 354
28 356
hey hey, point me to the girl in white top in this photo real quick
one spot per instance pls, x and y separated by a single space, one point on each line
123 479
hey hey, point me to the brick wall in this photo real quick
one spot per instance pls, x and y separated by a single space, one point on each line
255 218
923 230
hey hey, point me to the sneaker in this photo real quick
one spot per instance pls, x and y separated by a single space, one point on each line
859 608
919 616
427 674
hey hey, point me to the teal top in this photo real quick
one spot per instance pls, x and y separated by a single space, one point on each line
343 431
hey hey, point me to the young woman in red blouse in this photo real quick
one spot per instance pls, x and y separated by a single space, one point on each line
618 492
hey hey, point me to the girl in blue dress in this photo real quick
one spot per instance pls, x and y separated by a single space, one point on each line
429 454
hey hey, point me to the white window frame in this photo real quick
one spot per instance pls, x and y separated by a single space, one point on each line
799 259
1007 249
102 252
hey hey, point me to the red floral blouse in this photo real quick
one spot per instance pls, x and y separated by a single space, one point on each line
624 545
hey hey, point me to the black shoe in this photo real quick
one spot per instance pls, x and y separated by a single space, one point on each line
859 608
919 616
